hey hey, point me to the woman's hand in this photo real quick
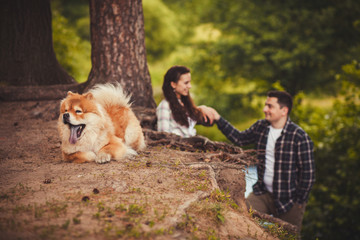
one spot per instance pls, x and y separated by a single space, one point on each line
209 114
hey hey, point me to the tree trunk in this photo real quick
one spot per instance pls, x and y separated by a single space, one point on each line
27 56
118 51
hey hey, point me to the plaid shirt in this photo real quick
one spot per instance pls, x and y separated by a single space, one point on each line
167 123
294 170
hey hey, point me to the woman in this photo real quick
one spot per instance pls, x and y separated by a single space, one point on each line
177 113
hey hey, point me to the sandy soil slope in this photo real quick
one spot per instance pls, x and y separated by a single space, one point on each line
163 193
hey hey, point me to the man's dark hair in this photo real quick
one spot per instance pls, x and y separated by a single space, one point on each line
284 99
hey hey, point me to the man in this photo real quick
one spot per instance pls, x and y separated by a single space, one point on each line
286 169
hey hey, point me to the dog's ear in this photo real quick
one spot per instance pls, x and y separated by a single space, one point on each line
70 93
88 96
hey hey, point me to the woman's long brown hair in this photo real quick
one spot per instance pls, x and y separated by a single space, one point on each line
180 113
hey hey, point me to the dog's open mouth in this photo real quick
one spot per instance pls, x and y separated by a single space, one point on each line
75 132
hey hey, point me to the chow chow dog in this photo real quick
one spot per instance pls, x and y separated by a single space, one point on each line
99 126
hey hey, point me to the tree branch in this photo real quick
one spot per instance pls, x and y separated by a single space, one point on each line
292 229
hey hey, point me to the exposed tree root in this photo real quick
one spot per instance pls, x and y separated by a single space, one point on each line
292 229
212 176
198 144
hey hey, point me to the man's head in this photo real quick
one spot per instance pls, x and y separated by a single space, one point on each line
277 108
284 99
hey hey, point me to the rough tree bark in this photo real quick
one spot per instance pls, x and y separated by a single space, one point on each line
29 69
27 55
118 48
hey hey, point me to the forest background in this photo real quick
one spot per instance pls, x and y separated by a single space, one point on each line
237 51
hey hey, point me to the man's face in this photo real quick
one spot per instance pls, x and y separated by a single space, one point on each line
273 112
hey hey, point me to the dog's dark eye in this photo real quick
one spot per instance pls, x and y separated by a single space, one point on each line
78 111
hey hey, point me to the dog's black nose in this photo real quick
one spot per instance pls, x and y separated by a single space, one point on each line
66 117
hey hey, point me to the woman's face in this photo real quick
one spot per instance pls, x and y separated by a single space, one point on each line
182 87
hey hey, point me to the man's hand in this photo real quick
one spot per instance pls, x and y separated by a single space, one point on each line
209 114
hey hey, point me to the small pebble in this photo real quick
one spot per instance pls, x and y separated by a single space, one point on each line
129 226
47 181
85 199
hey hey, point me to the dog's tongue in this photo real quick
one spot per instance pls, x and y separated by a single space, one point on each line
73 134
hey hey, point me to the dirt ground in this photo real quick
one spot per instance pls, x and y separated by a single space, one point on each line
163 193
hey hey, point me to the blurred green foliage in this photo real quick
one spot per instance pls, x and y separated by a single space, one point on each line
70 40
163 30
332 211
302 44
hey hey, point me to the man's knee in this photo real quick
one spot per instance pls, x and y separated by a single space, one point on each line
294 215
259 203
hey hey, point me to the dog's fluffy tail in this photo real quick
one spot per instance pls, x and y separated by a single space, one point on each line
111 94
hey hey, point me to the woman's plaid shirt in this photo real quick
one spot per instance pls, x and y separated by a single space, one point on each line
167 123
294 170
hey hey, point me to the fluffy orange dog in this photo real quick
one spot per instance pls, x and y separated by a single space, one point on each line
99 126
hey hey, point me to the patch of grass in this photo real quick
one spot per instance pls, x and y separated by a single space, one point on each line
223 197
120 207
211 235
129 231
203 186
134 190
191 181
48 231
209 209
97 215
16 193
4 196
188 224
134 165
100 206
38 211
162 216
11 224
53 209
76 220
65 226
203 174
57 208
108 229
217 210
22 208
151 223
135 210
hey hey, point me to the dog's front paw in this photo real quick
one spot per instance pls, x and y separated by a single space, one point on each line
103 157
130 153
